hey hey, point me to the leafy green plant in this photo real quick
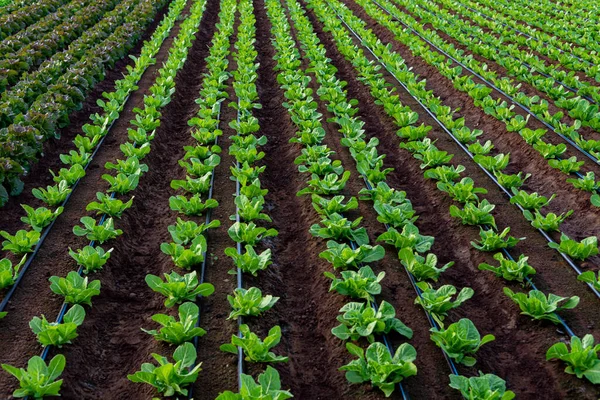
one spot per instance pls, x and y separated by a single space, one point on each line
108 205
482 387
378 367
191 185
122 183
328 184
492 240
255 349
249 209
396 215
363 284
53 195
463 191
530 201
549 223
508 269
587 182
185 232
57 334
444 173
438 302
267 388
170 378
249 302
384 194
70 175
460 339
93 231
75 288
539 306
409 237
186 258
581 358
342 255
194 206
588 277
92 259
177 288
588 247
335 205
249 233
472 214
175 331
38 380
422 268
250 261
21 243
41 217
567 166
337 227
511 181
8 272
361 320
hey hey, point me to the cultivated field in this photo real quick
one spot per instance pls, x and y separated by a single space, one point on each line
318 199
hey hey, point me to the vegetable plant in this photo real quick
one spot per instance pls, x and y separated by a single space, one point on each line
472 214
57 334
94 231
361 320
408 237
438 302
38 380
108 205
267 388
255 349
175 331
250 302
459 340
539 306
361 284
9 272
482 387
581 359
422 268
509 269
342 255
492 240
92 259
40 217
177 288
22 242
250 261
587 248
377 366
75 288
170 378
249 233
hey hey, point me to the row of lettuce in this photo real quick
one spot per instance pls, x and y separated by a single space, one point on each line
436 164
41 379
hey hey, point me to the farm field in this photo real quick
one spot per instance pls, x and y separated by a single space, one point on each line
317 199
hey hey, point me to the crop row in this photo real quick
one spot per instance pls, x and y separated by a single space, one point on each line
74 287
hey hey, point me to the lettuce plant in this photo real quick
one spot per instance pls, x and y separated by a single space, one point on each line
379 367
267 388
75 288
463 191
70 175
249 209
328 184
472 214
108 205
186 257
175 331
343 256
335 205
57 334
21 243
409 237
397 215
170 378
250 261
41 217
185 232
530 201
445 173
482 387
361 320
177 288
93 231
588 277
581 359
92 259
508 269
198 185
255 350
122 183
9 272
566 166
492 240
539 306
511 181
53 195
438 302
194 206
549 223
249 233
384 194
459 340
588 247
249 302
363 284
38 380
422 268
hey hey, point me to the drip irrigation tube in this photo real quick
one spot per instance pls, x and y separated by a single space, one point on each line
508 55
568 259
526 35
47 230
239 270
595 160
203 266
